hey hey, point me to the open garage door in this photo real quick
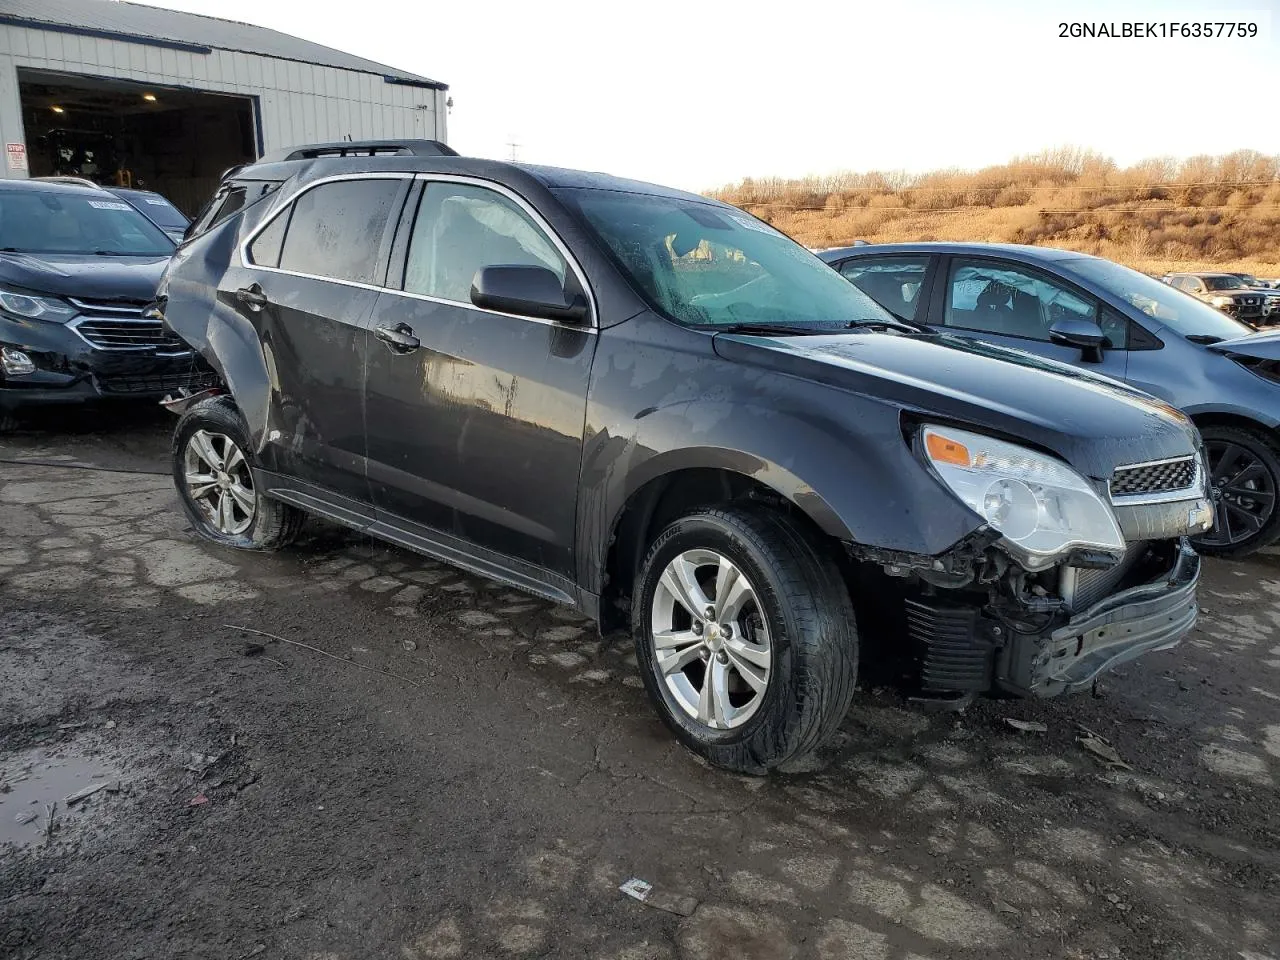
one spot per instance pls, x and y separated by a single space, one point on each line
176 142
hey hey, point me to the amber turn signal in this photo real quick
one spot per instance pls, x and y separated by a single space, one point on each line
943 450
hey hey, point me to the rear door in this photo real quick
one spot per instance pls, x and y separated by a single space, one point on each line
475 417
1014 305
309 281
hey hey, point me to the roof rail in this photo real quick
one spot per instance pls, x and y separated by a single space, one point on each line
78 181
363 148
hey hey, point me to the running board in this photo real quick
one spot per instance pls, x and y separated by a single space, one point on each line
439 546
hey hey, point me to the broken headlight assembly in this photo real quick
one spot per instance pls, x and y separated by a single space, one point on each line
32 306
1041 508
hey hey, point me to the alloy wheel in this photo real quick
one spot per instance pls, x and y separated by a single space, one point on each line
710 641
219 482
1243 493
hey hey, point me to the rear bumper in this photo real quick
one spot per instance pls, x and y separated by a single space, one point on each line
1153 616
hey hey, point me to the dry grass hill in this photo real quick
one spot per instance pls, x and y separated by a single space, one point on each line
1202 213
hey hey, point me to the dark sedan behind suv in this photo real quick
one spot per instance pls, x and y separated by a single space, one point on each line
656 408
1103 317
78 268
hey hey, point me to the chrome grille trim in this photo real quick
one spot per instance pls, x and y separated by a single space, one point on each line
128 333
1157 481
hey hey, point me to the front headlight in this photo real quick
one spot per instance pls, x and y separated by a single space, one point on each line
1040 506
1221 301
35 307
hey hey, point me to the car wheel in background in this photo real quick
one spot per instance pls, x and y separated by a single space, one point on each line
216 486
745 637
1244 478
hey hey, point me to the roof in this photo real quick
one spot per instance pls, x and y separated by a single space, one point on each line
1017 251
138 23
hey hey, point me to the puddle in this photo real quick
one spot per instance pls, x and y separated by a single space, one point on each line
31 781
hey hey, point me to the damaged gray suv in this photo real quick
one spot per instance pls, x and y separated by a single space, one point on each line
656 408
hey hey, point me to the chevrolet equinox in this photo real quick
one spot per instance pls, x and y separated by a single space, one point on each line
658 409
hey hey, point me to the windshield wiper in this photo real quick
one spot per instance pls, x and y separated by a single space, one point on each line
772 329
905 326
110 253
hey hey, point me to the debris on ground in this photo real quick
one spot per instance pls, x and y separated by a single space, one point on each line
323 653
84 793
643 891
198 800
1027 726
1104 751
1004 907
26 816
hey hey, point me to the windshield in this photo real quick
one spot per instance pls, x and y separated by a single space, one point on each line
1224 283
39 221
1178 311
1248 279
157 209
707 265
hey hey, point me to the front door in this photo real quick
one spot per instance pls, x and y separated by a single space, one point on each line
307 287
999 301
476 418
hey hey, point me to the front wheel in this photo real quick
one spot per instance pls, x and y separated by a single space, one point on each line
745 636
1244 478
216 485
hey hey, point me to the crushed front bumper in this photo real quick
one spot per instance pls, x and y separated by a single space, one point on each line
965 649
1152 616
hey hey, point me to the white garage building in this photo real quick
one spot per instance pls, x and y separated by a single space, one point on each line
133 95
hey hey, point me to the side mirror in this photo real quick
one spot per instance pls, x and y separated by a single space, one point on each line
527 291
1085 334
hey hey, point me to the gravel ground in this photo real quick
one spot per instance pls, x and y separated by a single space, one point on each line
451 769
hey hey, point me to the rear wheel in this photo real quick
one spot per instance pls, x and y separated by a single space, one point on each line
216 485
1244 478
745 636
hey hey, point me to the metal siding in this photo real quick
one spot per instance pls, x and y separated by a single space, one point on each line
297 102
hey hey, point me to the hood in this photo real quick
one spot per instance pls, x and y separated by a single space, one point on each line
1093 422
1260 346
81 275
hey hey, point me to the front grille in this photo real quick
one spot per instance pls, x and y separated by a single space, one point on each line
1148 478
112 333
157 383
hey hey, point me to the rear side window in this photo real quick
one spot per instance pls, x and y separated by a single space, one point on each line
265 249
894 283
336 229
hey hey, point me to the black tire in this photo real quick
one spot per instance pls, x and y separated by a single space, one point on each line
1235 505
810 621
8 422
274 525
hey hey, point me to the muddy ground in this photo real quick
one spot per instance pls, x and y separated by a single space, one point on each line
457 770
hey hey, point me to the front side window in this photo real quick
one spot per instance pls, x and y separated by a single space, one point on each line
336 229
708 265
1004 299
49 221
894 283
460 228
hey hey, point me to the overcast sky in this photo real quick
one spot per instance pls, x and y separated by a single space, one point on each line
697 94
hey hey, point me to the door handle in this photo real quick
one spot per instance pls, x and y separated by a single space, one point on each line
399 339
252 297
